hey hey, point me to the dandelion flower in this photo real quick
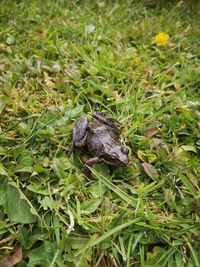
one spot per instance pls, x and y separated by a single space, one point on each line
162 39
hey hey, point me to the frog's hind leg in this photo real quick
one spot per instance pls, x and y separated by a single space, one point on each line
90 163
79 134
114 124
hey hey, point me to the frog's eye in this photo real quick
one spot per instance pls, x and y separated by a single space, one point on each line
113 157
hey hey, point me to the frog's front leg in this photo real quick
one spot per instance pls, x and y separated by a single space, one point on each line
79 134
90 163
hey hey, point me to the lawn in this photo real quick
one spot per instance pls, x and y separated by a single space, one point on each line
61 60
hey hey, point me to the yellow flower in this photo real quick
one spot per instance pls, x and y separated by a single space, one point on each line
162 39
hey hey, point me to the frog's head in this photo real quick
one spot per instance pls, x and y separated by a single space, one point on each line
117 156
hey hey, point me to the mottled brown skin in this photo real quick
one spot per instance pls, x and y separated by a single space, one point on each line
101 140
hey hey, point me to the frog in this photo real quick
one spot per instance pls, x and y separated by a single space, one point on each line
101 139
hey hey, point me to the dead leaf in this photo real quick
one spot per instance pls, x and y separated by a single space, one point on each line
157 142
151 132
17 256
150 170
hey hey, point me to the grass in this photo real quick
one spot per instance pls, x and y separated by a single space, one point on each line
61 60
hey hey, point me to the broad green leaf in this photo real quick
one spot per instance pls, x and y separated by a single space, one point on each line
25 162
59 167
90 205
3 151
96 190
77 242
41 256
17 207
81 262
70 114
150 157
179 260
154 256
189 148
23 128
150 170
39 188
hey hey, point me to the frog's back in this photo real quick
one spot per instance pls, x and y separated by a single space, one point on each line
94 146
105 136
